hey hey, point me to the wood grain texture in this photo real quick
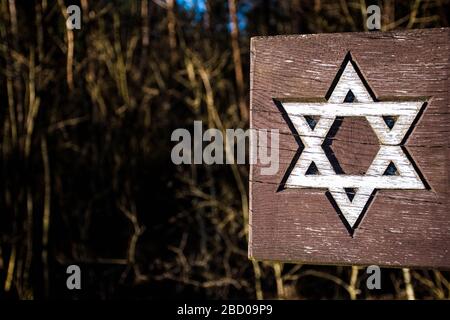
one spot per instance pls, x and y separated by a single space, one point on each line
400 227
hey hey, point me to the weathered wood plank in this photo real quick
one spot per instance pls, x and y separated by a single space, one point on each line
399 227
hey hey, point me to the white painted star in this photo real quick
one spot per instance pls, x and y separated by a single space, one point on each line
350 83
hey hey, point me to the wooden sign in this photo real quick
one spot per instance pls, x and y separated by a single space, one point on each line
364 123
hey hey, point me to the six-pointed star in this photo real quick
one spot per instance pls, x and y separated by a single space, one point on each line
350 84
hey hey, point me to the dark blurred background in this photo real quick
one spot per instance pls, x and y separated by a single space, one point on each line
86 118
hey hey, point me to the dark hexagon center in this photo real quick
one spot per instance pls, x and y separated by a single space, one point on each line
351 145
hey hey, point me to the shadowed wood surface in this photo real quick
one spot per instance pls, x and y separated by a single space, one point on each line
400 227
354 145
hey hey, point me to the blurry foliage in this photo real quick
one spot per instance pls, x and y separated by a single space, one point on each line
86 176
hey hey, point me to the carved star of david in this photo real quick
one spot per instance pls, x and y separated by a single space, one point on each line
351 97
